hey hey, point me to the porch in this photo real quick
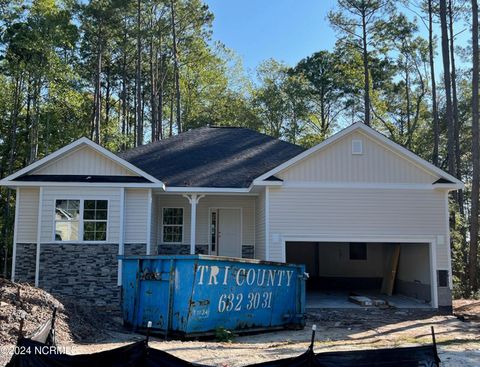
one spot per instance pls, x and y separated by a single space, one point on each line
221 225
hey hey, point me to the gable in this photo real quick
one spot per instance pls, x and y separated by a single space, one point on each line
378 163
83 161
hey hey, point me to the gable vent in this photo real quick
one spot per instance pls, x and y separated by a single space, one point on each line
357 146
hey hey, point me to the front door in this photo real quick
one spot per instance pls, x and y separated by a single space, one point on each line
229 233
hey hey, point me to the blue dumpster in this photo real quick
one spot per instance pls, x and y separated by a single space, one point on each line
194 295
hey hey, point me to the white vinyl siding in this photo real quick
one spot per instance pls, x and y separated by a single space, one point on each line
136 215
83 161
27 215
50 194
154 229
317 213
336 163
260 252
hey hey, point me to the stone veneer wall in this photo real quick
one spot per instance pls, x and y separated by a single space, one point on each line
248 252
133 249
25 262
85 273
176 249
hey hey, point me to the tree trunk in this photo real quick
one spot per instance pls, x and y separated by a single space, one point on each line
170 131
37 85
365 70
124 88
436 125
138 77
97 97
175 67
473 254
407 94
456 120
153 90
448 90
13 145
107 96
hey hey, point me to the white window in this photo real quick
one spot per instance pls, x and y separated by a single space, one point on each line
95 214
92 225
67 220
172 225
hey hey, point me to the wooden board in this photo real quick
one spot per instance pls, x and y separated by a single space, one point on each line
391 271
361 300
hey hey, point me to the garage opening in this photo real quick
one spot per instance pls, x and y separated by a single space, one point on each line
349 274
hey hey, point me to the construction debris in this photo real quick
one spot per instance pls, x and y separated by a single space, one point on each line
22 301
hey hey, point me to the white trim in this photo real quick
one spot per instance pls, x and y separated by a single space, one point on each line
81 221
149 223
209 232
5 182
433 273
193 199
269 183
15 234
39 226
183 225
121 237
189 190
394 147
430 241
447 239
267 223
357 185
75 144
220 193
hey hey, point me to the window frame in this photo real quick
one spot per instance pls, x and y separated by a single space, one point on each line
173 225
81 220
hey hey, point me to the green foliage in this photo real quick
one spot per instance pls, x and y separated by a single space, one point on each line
56 56
223 335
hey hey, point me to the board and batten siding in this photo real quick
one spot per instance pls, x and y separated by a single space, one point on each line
260 251
50 194
316 213
27 215
246 203
84 161
336 163
136 215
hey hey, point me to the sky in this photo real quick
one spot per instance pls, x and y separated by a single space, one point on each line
286 30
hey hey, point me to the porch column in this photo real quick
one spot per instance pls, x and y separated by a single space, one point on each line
193 199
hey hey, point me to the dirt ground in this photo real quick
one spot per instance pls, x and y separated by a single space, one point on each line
458 338
458 341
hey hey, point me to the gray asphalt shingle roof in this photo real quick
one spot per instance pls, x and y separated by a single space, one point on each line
212 157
